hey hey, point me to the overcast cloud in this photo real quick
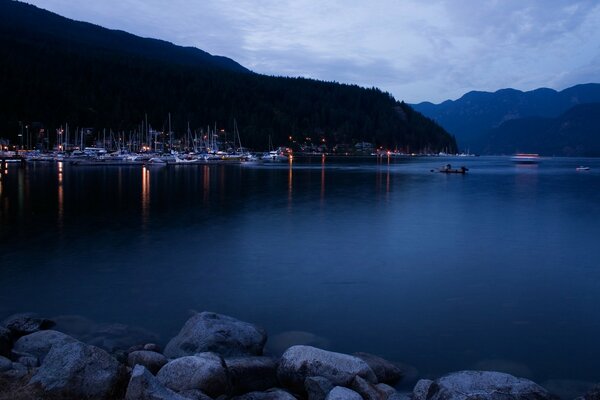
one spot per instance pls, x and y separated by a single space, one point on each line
417 50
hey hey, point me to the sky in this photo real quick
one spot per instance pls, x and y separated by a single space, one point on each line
416 50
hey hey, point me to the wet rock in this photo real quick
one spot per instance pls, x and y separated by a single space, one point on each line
28 361
5 341
252 374
210 332
421 389
366 389
385 390
26 323
385 371
274 394
15 372
482 385
144 386
317 387
38 344
342 393
591 394
152 361
5 364
204 371
77 370
152 347
282 341
300 362
195 394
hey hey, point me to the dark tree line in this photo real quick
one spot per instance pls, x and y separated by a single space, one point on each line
79 79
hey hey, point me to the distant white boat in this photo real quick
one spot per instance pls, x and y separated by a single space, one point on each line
525 158
582 168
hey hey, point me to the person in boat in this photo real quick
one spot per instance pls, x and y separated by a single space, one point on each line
448 167
463 169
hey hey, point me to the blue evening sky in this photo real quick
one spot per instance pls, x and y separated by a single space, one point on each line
417 50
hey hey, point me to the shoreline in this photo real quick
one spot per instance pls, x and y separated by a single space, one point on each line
215 356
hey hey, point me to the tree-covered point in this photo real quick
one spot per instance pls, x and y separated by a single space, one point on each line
56 71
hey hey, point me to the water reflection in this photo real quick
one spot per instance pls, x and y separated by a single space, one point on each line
322 179
60 196
206 183
145 195
290 182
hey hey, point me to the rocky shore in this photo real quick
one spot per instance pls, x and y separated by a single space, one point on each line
213 357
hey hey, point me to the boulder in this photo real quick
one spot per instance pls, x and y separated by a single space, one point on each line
26 323
252 374
421 389
591 394
152 361
300 362
5 341
204 371
366 389
79 370
210 332
342 393
385 390
482 385
14 371
273 394
5 364
317 387
38 344
152 347
144 386
385 371
196 394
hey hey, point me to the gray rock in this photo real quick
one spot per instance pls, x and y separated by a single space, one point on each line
38 344
385 390
5 341
144 386
385 371
152 347
78 370
483 385
204 371
5 364
317 387
342 393
28 361
252 374
421 389
217 333
300 362
195 394
592 394
273 394
152 361
15 372
26 323
366 389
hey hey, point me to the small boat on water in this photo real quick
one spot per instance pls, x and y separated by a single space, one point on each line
447 169
582 168
525 158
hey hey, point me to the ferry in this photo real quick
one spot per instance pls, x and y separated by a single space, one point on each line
525 158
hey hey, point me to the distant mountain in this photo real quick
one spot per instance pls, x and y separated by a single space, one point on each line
55 71
574 133
472 116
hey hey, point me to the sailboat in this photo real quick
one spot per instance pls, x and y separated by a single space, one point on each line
274 155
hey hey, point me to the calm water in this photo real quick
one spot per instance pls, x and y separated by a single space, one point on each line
440 272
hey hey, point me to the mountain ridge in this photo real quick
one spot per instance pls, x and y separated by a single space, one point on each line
476 113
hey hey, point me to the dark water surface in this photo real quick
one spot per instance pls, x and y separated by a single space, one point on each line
444 272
